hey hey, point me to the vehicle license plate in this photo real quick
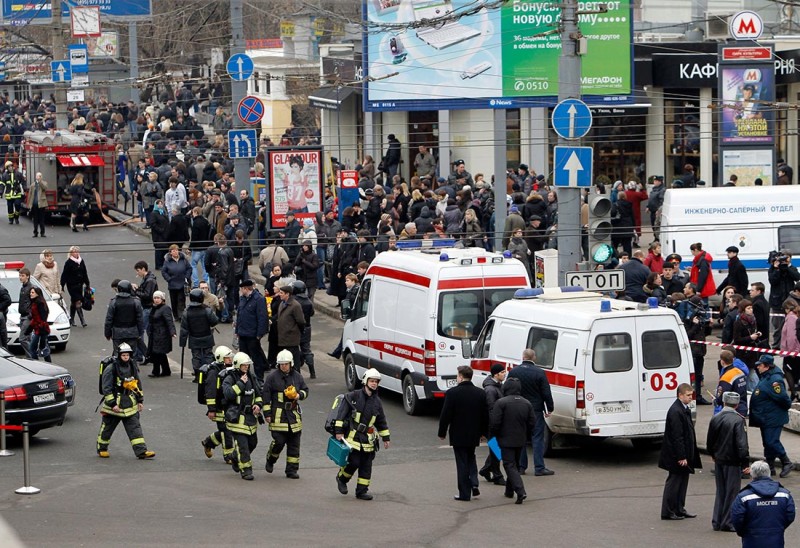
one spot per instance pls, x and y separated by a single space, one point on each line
607 408
450 383
41 398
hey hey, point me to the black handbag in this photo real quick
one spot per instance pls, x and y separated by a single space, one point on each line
88 298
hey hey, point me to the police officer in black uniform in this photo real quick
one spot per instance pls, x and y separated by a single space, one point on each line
124 317
301 294
196 323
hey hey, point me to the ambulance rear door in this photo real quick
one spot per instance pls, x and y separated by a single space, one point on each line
611 380
663 363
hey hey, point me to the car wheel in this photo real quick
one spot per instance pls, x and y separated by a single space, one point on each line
411 402
350 374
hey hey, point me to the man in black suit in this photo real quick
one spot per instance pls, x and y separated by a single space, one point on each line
512 421
466 415
679 455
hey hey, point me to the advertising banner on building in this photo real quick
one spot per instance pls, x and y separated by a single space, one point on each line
25 12
453 54
748 96
296 180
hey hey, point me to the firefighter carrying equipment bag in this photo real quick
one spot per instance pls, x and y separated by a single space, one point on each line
105 362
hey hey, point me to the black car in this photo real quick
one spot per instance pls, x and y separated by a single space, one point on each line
46 369
36 399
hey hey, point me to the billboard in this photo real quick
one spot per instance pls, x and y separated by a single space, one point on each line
453 54
748 92
25 12
295 176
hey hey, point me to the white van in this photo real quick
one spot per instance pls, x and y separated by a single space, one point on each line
755 219
613 366
412 311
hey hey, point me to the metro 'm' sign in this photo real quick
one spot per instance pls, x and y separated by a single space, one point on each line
746 25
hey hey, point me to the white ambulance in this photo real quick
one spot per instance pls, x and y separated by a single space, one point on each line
613 366
755 219
412 311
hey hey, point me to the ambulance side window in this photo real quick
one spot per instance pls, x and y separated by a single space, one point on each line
362 301
660 349
612 353
543 342
789 238
484 341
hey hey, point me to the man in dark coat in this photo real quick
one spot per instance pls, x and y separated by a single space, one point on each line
196 323
466 416
636 274
727 444
391 161
679 455
512 421
535 389
737 273
252 324
291 233
493 386
290 322
761 313
782 277
124 317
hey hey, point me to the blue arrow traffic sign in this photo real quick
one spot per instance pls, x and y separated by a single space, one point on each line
242 143
60 71
572 119
573 166
240 66
251 110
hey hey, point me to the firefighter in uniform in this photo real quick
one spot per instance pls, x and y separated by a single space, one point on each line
13 189
360 421
283 390
214 374
243 406
122 401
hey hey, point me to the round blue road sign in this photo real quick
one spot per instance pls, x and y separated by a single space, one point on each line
251 110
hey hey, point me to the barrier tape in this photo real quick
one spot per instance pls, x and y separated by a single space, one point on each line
750 348
15 427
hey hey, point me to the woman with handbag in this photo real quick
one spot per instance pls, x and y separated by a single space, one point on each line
160 332
39 326
75 278
177 271
78 206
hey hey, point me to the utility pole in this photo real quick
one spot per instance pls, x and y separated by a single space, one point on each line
241 166
133 56
569 87
59 53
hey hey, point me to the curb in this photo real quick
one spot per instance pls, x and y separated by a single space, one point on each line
255 274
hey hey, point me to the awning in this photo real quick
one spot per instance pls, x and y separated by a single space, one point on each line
80 160
329 98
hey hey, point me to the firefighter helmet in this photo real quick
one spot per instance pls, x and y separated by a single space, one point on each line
222 352
371 373
240 358
124 348
284 356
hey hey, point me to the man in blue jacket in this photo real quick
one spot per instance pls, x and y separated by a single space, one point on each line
763 510
535 389
769 411
252 324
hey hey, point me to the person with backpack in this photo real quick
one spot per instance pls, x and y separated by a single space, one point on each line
242 393
361 421
123 400
196 323
214 400
283 391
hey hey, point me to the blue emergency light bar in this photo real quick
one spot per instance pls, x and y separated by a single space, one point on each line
426 244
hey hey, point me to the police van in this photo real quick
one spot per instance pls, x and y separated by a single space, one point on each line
613 366
755 219
414 307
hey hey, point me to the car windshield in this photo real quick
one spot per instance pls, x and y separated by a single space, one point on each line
13 286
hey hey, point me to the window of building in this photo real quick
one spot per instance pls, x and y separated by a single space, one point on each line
513 138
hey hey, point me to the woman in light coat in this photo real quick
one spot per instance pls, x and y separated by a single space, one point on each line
46 272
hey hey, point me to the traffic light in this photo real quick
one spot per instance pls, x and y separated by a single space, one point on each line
600 248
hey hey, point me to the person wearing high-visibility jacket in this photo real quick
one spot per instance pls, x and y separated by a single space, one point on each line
283 391
123 400
360 421
13 189
243 406
212 383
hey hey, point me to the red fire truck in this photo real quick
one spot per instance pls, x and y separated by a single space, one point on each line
61 155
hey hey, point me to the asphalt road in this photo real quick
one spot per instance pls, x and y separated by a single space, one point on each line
603 494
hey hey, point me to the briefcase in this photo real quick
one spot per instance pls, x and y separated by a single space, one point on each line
338 451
